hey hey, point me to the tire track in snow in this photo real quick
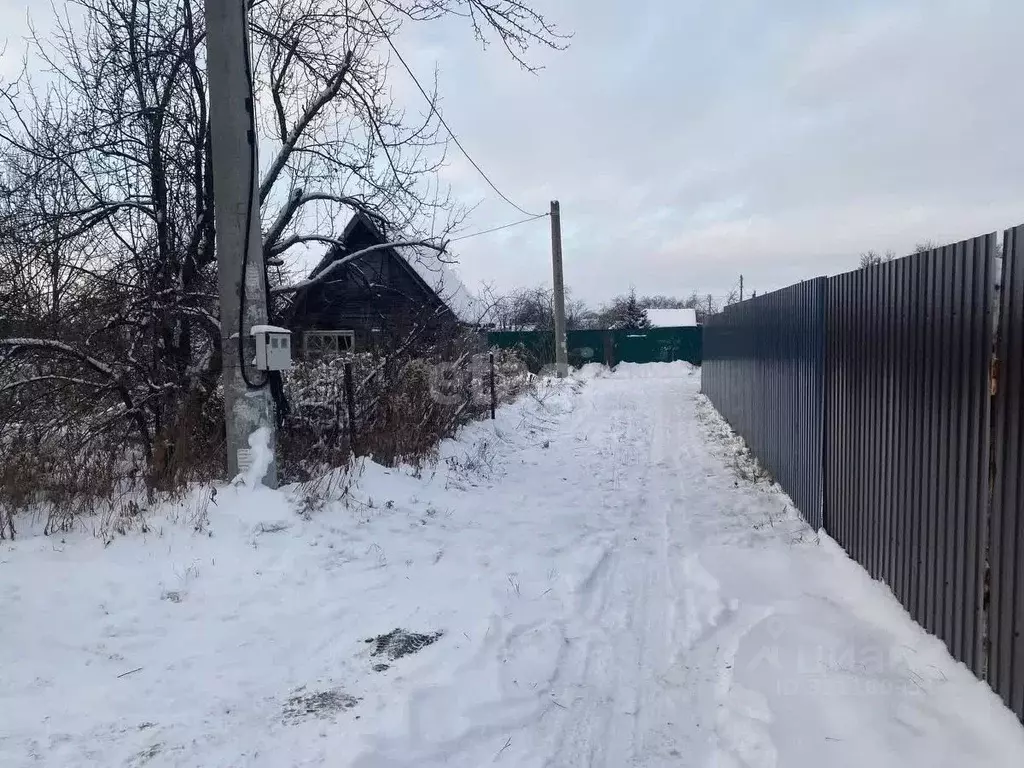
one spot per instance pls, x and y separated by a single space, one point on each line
652 609
715 627
709 628
642 672
686 597
742 738
593 590
596 727
704 605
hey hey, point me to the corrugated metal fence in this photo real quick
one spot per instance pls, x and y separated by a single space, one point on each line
765 376
887 439
1006 558
906 448
610 347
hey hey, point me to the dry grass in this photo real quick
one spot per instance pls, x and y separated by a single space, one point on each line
405 406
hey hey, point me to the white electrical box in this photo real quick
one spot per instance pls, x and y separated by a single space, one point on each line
273 347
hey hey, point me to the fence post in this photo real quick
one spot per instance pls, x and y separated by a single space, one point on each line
494 392
350 399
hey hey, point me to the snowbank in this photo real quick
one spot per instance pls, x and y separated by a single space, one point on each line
590 371
676 369
591 579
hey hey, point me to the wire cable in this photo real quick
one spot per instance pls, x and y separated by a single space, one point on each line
440 117
250 107
498 229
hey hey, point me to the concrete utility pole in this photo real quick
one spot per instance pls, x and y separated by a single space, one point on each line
236 189
561 352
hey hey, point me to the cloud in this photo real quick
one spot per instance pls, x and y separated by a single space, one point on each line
690 141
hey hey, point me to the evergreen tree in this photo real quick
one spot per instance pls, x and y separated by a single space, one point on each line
632 315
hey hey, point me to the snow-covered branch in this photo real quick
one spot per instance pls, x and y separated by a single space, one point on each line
296 200
17 344
37 379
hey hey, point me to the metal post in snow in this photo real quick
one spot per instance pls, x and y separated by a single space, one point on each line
350 399
609 349
494 392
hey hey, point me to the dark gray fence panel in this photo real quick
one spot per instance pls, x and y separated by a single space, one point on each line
868 396
906 435
1006 556
764 371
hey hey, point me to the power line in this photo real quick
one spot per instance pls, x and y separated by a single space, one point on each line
440 117
498 229
250 106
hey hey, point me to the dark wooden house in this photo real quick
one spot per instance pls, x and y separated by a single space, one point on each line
375 300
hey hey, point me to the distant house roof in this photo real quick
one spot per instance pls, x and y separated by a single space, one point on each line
672 318
435 275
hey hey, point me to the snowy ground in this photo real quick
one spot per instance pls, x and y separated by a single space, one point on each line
611 589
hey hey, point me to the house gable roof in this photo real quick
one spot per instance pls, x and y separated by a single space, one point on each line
437 280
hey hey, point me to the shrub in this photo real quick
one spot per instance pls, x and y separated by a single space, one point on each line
405 404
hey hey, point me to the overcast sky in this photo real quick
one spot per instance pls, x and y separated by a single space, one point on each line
691 141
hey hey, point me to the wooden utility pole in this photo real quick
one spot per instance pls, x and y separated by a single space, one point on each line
561 352
248 405
741 287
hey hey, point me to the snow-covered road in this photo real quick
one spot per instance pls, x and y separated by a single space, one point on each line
612 589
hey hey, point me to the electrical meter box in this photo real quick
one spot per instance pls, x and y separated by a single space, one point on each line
273 347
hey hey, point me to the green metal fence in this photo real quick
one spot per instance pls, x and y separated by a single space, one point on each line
654 345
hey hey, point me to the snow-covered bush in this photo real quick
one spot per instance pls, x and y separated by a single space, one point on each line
110 324
404 405
66 456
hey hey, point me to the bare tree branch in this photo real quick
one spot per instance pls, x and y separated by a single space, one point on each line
107 241
324 274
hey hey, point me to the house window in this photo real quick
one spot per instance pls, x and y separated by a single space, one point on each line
327 343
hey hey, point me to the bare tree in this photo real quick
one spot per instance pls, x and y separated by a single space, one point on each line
106 201
660 301
874 258
532 309
706 305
